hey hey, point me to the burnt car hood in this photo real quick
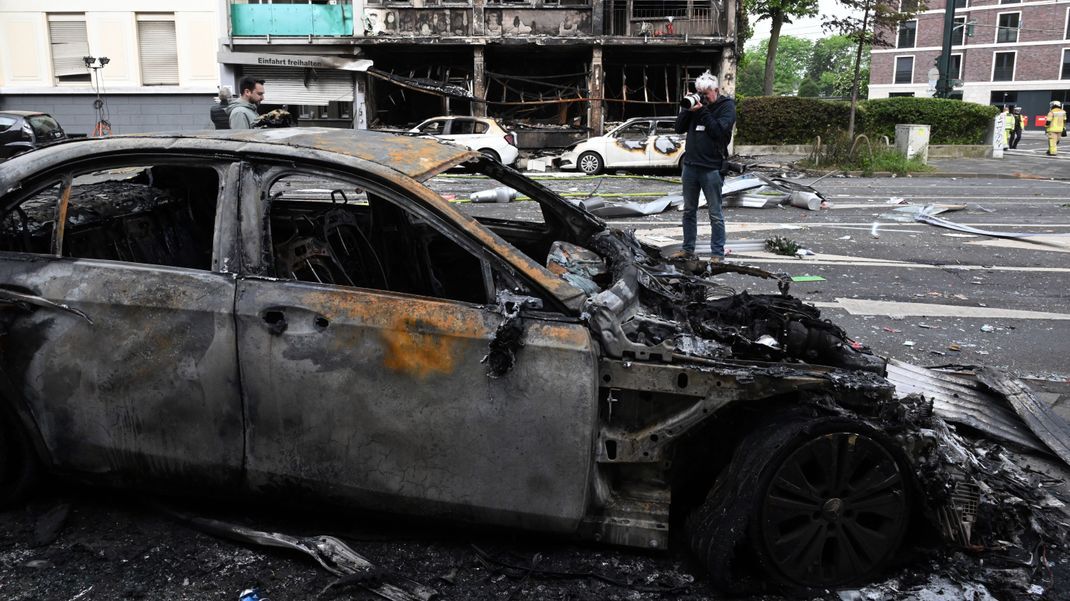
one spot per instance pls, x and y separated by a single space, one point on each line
641 306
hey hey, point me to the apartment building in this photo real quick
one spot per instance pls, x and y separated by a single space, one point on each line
160 74
1019 54
571 64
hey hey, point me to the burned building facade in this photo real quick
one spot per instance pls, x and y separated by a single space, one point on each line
576 64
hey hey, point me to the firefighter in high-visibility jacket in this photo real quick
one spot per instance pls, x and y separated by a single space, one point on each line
1008 126
1019 121
1056 127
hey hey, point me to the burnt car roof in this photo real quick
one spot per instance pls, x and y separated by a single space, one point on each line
22 113
417 158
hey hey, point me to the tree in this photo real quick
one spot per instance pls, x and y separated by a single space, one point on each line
831 57
879 22
778 12
808 88
791 64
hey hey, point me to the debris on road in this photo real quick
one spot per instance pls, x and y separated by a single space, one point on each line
331 553
500 194
780 245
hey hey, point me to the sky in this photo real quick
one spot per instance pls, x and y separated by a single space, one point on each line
803 28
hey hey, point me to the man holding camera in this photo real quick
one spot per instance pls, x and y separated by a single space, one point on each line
708 119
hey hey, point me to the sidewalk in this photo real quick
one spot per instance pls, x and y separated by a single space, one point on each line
1028 161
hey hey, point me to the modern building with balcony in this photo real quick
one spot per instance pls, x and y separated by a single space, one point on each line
572 64
160 74
1018 54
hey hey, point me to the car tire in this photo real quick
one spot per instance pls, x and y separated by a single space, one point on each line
490 153
590 163
19 468
812 503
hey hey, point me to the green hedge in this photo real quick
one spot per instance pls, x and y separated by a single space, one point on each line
793 120
788 119
950 121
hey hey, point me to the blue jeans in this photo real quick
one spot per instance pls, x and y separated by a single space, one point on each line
709 181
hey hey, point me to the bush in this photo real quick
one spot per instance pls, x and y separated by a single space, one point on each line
788 119
950 121
808 89
793 120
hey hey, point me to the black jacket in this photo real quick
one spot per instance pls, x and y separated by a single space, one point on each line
709 130
219 115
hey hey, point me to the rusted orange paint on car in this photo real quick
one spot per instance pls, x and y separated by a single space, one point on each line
420 338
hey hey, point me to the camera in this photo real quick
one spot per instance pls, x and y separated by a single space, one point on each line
689 101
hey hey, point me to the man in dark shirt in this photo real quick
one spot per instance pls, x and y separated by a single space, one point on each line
709 130
218 111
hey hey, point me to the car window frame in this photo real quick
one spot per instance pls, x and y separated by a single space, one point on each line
65 173
649 124
422 128
498 274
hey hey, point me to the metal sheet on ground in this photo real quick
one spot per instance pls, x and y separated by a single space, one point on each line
960 401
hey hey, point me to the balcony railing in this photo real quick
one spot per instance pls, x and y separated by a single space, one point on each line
666 18
291 19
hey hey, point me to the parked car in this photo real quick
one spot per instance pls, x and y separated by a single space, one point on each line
21 131
481 134
294 310
642 142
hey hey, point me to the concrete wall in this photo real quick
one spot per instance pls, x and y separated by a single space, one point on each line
129 113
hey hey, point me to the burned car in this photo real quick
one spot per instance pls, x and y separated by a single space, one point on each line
642 142
295 311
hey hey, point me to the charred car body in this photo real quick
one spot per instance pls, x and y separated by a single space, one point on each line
293 309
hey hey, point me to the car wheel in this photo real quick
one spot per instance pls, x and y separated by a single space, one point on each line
490 153
814 503
590 163
18 462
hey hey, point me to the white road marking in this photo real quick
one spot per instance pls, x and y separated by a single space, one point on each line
867 224
745 257
1050 244
858 306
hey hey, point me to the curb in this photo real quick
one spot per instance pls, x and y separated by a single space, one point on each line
946 174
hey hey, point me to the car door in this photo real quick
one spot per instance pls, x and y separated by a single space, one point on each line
365 371
464 131
665 146
122 346
629 145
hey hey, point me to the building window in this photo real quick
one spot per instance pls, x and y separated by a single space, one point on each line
1009 1
960 3
908 31
1003 66
1003 97
959 31
1007 31
904 69
69 44
159 53
1068 24
954 68
1066 64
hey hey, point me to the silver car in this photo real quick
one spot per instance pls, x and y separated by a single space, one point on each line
296 310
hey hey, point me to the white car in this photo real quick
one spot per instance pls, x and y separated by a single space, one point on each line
481 134
639 142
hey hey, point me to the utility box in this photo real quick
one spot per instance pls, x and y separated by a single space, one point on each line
912 141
